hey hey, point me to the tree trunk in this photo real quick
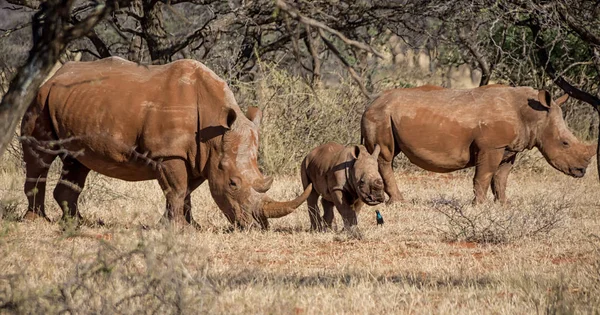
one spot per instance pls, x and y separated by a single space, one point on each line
135 47
156 37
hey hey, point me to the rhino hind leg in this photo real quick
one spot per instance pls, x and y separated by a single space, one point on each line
500 179
69 187
327 213
313 211
37 164
487 164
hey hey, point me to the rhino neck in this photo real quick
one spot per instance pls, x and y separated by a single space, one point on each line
533 123
350 180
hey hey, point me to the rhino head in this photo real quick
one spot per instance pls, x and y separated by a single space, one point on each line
365 175
558 144
236 184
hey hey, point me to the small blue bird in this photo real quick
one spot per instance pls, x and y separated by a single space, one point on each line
379 217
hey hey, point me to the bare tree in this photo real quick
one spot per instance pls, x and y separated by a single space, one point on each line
52 31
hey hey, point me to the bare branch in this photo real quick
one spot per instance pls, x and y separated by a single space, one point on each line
551 71
51 33
579 29
486 72
316 62
308 21
353 73
8 32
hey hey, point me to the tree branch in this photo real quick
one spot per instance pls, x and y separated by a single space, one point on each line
580 30
308 21
544 60
486 72
353 73
51 33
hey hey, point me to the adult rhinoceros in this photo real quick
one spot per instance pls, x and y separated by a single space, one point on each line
178 123
443 130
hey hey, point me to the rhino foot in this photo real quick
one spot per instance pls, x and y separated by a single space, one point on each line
33 216
354 232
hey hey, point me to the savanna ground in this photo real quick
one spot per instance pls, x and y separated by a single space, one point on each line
434 254
540 254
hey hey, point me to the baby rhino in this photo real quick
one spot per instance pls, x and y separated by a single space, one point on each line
344 177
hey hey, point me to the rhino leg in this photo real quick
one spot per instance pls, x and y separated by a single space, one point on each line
487 164
500 178
192 185
37 164
313 211
391 187
345 210
69 187
173 179
327 213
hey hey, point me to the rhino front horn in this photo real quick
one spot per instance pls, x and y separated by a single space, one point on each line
278 209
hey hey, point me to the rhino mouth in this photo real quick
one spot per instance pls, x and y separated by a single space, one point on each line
577 172
373 200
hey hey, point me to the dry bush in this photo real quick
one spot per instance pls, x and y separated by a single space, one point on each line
498 224
298 118
12 159
148 276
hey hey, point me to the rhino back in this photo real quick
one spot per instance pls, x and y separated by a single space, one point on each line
325 167
436 129
113 106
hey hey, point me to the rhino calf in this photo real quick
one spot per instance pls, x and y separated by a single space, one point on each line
344 177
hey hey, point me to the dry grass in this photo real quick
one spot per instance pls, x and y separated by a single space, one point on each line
408 265
434 254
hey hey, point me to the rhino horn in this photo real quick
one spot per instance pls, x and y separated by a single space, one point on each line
278 209
263 185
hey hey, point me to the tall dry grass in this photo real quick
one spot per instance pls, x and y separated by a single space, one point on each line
435 254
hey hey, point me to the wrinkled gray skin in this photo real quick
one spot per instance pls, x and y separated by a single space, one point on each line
344 177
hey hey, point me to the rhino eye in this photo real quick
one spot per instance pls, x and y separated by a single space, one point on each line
361 181
565 144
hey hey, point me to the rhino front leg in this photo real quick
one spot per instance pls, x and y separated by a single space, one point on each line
500 179
346 211
487 164
173 179
391 187
192 185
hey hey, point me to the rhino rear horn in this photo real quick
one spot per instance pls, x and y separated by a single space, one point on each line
278 209
376 151
263 185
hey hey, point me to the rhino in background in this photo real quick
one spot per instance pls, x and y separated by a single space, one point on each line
177 123
443 130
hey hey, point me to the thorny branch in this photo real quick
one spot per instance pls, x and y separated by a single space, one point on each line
51 33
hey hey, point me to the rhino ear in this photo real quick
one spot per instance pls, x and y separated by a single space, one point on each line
545 98
254 114
230 119
562 99
376 151
355 151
